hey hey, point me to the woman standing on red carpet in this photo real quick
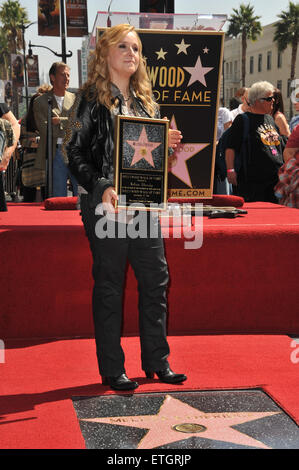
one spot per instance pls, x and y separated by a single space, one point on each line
118 84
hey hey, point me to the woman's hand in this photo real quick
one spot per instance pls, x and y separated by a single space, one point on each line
174 137
108 199
232 178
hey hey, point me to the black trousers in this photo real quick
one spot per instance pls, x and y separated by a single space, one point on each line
110 257
3 206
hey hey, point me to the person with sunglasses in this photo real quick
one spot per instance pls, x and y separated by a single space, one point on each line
262 155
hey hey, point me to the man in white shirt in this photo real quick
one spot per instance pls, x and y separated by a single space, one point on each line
62 102
244 106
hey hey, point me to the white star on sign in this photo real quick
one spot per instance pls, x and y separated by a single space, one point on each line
161 54
198 72
182 47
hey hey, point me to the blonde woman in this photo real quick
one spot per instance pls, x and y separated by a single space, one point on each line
118 84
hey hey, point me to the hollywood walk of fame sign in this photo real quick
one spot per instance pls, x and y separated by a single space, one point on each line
185 72
140 162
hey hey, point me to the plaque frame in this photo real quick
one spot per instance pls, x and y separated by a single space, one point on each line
129 178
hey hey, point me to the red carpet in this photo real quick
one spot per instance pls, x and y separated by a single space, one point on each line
244 278
39 379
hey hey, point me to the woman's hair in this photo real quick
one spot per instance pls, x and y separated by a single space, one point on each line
98 85
258 91
44 88
278 103
241 92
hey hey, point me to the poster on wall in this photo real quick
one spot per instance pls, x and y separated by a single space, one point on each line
33 71
76 18
17 67
185 71
48 17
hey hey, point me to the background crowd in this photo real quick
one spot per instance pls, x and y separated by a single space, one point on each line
254 141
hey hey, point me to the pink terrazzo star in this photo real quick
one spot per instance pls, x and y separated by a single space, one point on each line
173 412
182 154
198 72
143 148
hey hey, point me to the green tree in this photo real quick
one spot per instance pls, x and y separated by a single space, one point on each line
243 23
4 56
12 15
287 34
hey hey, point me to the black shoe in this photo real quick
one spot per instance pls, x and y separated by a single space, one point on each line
121 382
167 376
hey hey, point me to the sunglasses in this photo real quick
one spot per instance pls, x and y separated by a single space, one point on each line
270 98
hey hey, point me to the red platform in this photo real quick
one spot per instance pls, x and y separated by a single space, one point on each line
243 279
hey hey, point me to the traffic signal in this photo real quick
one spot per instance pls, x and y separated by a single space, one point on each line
156 6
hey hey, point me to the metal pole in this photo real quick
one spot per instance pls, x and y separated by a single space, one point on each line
62 29
49 155
25 67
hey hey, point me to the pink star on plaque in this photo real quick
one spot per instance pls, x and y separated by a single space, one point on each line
163 427
178 160
143 148
198 72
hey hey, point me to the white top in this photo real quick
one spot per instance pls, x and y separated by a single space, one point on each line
224 116
60 100
234 113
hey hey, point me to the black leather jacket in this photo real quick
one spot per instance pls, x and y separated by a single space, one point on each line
89 144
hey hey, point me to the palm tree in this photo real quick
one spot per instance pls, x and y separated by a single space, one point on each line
12 15
4 56
243 23
287 33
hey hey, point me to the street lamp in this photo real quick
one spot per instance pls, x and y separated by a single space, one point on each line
30 58
23 28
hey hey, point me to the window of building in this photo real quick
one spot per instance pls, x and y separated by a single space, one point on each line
279 60
251 65
269 60
260 62
235 69
279 84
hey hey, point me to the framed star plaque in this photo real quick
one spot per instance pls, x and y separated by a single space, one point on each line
141 162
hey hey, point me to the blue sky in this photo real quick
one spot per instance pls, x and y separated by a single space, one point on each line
268 10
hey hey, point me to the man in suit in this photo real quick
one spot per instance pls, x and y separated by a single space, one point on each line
62 102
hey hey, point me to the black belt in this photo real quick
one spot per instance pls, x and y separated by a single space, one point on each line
58 146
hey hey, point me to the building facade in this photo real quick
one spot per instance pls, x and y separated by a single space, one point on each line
263 62
83 60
